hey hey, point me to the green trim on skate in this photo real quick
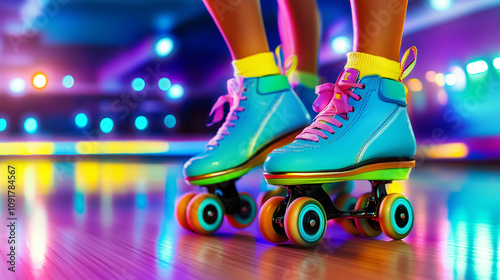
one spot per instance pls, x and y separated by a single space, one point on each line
221 178
272 83
386 175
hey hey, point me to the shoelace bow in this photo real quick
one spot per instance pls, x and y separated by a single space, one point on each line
330 102
233 97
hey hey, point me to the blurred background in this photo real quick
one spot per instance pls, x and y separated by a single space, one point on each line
80 71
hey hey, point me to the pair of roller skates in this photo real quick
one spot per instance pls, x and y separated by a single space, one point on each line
362 132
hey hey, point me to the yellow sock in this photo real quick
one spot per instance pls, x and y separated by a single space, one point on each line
257 65
307 79
368 64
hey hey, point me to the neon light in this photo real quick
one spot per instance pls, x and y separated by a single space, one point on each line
176 91
141 123
164 47
170 121
496 63
30 125
441 5
39 81
429 76
3 124
27 148
68 81
439 79
450 79
138 84
17 85
341 44
106 125
164 84
81 120
451 150
414 85
477 67
121 147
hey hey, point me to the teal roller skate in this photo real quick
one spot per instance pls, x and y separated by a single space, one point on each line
362 132
264 114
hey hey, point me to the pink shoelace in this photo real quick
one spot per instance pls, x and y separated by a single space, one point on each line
332 100
233 96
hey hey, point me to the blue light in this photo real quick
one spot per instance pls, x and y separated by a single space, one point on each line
17 85
68 81
341 45
138 84
30 125
81 120
141 122
164 84
164 47
441 5
106 125
176 91
3 124
170 121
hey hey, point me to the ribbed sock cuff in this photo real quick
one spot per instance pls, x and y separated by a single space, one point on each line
368 64
257 65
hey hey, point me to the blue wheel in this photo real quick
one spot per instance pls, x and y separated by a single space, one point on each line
205 213
305 222
247 212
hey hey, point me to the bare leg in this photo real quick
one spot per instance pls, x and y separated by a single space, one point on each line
241 24
378 26
299 23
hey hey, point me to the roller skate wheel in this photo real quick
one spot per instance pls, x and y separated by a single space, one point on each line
181 209
366 226
344 201
205 213
266 221
247 212
265 196
305 222
396 216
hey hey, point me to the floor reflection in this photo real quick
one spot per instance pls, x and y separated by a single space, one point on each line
114 219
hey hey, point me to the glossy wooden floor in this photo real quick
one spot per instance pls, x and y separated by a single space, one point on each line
114 220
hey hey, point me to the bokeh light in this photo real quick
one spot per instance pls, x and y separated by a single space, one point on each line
439 79
164 47
30 125
441 5
39 81
141 122
442 97
461 78
164 84
106 125
17 85
176 91
429 76
496 63
3 124
68 81
414 85
170 121
341 44
138 84
477 67
81 120
450 79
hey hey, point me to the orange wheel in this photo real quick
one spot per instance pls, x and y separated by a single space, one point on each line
264 196
305 222
247 212
396 216
344 201
266 216
205 213
181 209
366 226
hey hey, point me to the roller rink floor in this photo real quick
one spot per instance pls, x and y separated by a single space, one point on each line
114 219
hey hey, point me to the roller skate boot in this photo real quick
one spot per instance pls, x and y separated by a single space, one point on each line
264 114
362 132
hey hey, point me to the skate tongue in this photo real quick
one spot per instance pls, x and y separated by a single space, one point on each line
349 75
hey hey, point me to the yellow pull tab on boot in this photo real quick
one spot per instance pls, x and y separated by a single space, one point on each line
405 71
